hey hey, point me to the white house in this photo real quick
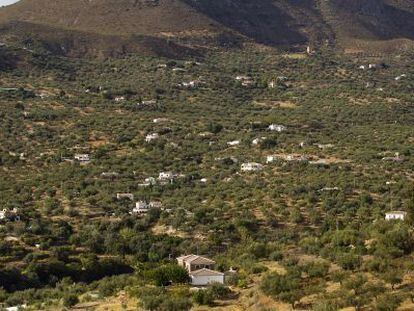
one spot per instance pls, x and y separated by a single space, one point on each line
150 137
119 99
257 141
233 143
390 182
395 215
122 196
159 120
245 80
178 69
277 128
164 176
251 167
109 174
191 84
141 207
201 270
148 102
150 180
155 204
83 158
205 277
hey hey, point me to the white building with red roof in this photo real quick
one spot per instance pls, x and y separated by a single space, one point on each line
201 270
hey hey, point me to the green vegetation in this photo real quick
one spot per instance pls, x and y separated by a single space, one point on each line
309 233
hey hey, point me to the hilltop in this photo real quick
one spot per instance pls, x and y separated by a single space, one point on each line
285 24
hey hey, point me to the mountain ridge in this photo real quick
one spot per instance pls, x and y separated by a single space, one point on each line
287 24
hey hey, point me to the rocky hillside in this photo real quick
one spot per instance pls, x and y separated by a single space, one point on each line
112 26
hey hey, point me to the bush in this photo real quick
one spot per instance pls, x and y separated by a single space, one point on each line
213 292
203 297
276 256
158 299
349 261
284 287
69 300
317 269
167 274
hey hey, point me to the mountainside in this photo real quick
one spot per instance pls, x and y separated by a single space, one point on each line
284 23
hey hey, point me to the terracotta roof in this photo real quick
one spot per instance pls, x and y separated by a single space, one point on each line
206 272
195 259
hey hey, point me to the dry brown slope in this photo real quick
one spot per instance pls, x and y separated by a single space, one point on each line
282 23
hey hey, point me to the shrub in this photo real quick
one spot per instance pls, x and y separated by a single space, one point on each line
69 300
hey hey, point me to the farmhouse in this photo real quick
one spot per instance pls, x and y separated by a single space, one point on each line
150 181
82 158
245 80
287 158
159 120
205 276
257 141
109 175
396 215
251 167
141 207
166 176
233 143
191 84
149 102
277 128
178 69
201 270
150 137
119 99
